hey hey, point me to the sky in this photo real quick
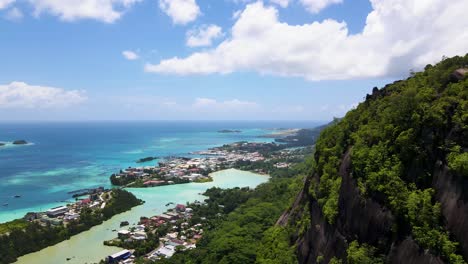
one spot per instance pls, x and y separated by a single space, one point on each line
214 60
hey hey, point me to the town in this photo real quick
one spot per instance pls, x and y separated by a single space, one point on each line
175 170
170 232
66 214
180 228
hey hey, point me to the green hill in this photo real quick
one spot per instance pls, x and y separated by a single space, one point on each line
390 179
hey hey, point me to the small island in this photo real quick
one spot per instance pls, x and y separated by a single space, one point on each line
147 159
20 142
229 131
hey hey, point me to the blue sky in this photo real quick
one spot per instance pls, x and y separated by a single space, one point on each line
245 60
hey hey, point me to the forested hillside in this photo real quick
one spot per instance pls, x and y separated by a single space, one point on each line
390 180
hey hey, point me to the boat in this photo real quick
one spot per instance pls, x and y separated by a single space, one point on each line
17 196
5 204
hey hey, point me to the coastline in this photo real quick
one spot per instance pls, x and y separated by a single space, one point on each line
88 160
281 133
46 229
90 242
181 170
211 179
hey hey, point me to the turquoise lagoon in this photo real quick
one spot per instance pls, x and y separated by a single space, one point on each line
87 247
67 156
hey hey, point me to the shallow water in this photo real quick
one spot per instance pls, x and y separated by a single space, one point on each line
65 157
87 247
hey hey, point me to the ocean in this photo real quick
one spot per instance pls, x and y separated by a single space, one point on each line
67 156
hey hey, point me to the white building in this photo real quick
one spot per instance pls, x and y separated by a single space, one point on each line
57 211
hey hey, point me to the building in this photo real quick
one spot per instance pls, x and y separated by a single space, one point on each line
139 235
123 234
180 208
166 217
119 256
192 177
166 251
57 211
51 220
69 216
174 216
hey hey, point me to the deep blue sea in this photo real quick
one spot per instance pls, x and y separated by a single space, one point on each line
64 157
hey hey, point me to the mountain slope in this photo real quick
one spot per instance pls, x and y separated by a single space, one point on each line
390 179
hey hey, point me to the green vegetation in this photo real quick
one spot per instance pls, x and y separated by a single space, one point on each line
394 139
458 161
217 206
294 157
20 237
121 201
202 180
303 137
246 234
275 247
362 254
15 224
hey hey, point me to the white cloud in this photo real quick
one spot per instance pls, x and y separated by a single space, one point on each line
130 55
22 95
229 105
70 10
181 11
282 3
398 35
315 6
5 3
14 14
203 36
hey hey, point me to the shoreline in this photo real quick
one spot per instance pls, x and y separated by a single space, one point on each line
221 164
90 242
181 170
281 133
59 224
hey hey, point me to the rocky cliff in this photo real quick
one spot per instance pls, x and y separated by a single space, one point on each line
390 181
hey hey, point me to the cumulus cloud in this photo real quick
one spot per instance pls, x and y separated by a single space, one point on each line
203 36
181 11
315 6
398 35
130 55
70 10
5 3
21 95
